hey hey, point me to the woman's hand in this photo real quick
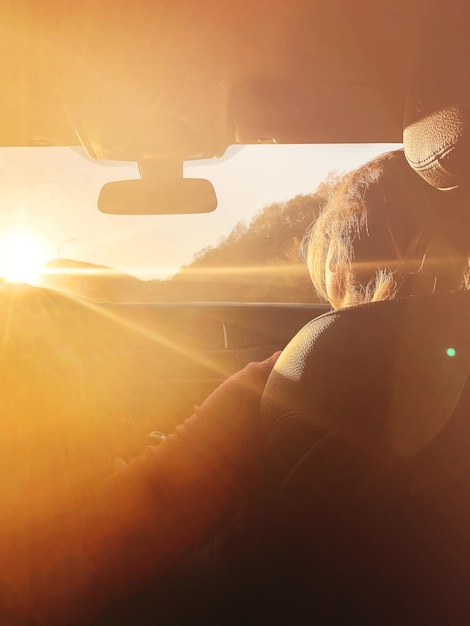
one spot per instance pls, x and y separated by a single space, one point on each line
240 395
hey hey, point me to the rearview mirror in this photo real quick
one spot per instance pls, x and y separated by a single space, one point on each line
162 190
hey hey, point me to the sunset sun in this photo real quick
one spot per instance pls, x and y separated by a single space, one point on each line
22 255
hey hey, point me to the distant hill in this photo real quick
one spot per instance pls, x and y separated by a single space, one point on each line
260 261
100 283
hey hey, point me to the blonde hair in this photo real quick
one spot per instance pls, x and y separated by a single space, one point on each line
386 233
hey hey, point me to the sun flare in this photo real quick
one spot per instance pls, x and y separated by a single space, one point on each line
22 255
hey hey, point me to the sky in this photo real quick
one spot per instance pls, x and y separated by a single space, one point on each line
51 193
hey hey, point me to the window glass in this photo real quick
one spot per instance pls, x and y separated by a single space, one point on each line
52 234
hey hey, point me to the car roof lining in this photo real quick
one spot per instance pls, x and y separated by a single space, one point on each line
175 80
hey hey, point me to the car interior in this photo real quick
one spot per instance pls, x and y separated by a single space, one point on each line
364 518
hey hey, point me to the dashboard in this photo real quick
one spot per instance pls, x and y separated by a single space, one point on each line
121 371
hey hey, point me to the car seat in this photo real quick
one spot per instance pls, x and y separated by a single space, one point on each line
368 462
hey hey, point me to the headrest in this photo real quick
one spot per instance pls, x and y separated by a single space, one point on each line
387 375
436 133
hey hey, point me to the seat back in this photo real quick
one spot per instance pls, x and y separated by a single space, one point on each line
369 418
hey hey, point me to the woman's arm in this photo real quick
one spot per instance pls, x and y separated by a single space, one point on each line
165 503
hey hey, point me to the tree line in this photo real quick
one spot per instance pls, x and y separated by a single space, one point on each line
261 261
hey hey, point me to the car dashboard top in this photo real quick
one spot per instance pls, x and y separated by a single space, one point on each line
141 365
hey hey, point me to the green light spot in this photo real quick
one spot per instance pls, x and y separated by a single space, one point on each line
451 352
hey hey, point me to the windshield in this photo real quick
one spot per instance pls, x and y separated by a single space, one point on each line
247 250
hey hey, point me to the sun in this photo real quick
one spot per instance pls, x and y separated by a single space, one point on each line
22 255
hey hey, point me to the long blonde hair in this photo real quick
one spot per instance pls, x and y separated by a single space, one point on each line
386 233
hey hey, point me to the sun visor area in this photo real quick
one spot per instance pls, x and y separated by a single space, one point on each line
153 81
